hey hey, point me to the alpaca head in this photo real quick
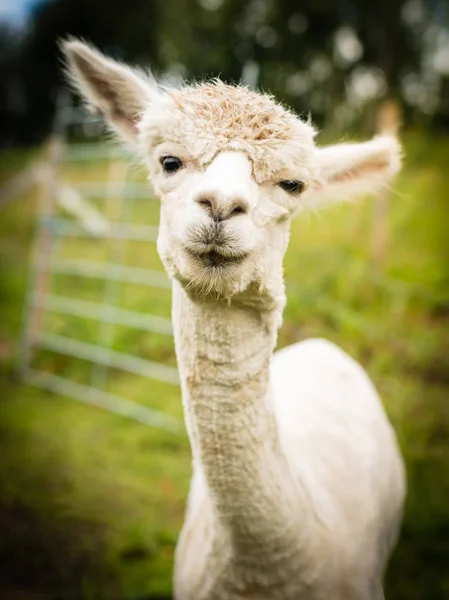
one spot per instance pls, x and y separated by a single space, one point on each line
231 167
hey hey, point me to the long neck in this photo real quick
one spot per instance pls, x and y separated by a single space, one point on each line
224 353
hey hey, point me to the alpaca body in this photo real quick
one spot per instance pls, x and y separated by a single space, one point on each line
330 537
298 483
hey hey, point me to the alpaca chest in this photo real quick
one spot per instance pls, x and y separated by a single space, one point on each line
207 568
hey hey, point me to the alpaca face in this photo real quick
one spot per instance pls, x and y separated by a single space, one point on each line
231 167
220 231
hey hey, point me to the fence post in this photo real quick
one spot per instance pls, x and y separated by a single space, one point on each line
39 278
388 122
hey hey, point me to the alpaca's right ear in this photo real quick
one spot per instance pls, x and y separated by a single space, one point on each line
118 91
350 170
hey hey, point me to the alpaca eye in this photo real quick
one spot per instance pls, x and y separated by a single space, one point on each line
293 187
171 164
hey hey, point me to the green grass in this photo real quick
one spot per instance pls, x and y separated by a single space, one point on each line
91 503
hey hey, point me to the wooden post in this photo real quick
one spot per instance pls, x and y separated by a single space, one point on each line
388 122
40 279
47 174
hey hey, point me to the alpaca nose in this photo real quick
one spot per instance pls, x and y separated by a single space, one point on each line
221 208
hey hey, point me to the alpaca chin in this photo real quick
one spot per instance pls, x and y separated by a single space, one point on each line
211 275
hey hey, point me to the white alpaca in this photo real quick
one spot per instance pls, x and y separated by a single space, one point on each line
298 484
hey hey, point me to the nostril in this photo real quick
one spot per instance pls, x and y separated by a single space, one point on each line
205 202
239 206
238 210
209 204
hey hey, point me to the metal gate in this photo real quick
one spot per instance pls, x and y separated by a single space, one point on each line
77 209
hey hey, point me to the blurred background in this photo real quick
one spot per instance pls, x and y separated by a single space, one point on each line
95 463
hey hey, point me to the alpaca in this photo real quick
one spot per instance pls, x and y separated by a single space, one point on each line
298 483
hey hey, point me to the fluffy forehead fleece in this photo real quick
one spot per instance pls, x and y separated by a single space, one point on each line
207 118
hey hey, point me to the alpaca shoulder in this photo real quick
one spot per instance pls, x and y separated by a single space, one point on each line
322 373
338 439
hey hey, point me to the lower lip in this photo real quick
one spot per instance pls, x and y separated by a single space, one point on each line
215 260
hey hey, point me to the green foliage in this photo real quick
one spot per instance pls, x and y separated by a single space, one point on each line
332 57
91 504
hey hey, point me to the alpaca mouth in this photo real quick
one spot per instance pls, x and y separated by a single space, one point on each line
214 259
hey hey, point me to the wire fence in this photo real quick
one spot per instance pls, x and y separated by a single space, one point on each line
87 222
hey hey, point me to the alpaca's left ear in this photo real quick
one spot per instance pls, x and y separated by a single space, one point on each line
118 91
349 170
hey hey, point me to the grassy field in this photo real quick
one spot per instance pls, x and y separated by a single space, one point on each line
91 503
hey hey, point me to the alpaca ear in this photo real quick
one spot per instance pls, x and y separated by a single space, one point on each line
118 91
349 170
